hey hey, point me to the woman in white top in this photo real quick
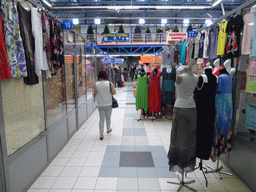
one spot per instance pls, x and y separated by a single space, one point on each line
103 96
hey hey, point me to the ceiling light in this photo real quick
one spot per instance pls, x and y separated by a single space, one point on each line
163 21
123 7
97 21
216 3
186 22
208 22
75 21
209 14
141 21
47 3
182 7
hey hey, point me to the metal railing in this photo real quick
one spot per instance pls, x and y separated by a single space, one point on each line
130 38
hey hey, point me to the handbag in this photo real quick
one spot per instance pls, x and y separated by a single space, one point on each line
114 101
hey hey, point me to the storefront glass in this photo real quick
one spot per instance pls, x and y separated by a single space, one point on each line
23 112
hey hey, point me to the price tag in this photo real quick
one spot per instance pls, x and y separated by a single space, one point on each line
68 25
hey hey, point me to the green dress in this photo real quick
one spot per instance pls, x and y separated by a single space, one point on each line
142 93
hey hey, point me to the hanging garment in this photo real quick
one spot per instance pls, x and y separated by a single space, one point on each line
253 47
142 93
206 45
191 44
213 43
196 48
118 76
252 68
40 55
250 83
168 56
183 52
216 72
247 33
250 117
46 39
168 88
154 92
14 45
5 71
222 38
57 54
223 119
29 44
234 26
201 46
205 107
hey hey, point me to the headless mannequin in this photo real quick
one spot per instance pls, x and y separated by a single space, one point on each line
143 113
188 71
253 9
230 70
155 72
168 69
142 72
208 65
216 64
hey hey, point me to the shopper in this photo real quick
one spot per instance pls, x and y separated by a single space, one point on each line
103 91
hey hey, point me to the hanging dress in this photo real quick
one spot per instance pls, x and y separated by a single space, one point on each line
142 93
168 56
205 107
5 71
29 44
183 50
223 119
222 38
14 45
168 88
154 92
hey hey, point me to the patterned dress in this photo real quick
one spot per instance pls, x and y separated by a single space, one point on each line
14 43
168 88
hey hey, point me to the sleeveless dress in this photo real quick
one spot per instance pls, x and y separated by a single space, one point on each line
154 92
223 119
142 93
205 107
168 88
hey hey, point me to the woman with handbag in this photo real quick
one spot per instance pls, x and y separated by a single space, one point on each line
103 91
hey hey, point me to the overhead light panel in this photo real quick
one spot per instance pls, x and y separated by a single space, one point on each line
47 3
75 21
209 14
97 21
141 21
216 3
208 22
123 7
182 7
163 21
186 22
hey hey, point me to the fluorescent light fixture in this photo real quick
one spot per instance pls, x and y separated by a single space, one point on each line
182 7
97 21
141 21
216 3
123 7
75 21
208 22
47 3
163 21
185 22
209 14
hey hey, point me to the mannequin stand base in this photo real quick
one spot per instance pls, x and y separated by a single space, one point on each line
202 169
218 171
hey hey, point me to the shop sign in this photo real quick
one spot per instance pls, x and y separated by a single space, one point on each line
191 33
118 60
106 60
159 59
68 25
116 37
147 58
69 59
175 36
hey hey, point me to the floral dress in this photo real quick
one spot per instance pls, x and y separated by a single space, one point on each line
14 45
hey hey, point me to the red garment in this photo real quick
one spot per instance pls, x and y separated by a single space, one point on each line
217 73
154 92
5 71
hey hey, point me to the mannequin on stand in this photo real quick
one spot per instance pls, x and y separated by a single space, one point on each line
182 151
217 68
230 70
208 65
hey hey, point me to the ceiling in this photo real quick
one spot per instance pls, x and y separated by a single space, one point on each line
129 12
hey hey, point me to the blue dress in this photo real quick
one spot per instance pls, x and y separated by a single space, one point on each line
183 50
222 127
168 88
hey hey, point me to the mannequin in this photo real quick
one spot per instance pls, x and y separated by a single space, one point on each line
217 68
208 65
228 67
155 71
182 152
142 72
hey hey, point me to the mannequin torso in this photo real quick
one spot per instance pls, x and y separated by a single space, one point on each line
228 67
216 64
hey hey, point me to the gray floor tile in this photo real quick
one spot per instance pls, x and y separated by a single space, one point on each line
141 140
110 162
165 173
127 184
128 172
128 132
128 140
140 132
142 148
144 159
161 163
128 148
127 159
112 155
108 172
148 184
147 173
112 148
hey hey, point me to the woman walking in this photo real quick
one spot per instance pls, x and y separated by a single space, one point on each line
103 91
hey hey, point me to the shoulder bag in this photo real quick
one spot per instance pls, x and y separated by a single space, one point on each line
114 101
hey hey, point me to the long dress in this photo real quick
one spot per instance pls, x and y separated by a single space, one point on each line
154 92
168 88
14 44
5 71
223 119
142 93
205 107
29 44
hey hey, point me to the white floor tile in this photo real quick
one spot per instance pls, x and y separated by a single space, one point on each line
38 190
59 162
93 163
90 172
76 162
85 183
60 190
71 172
64 183
52 171
44 183
106 183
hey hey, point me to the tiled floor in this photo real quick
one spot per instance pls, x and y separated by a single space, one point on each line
131 158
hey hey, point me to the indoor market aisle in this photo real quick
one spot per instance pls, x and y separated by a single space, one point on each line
131 158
